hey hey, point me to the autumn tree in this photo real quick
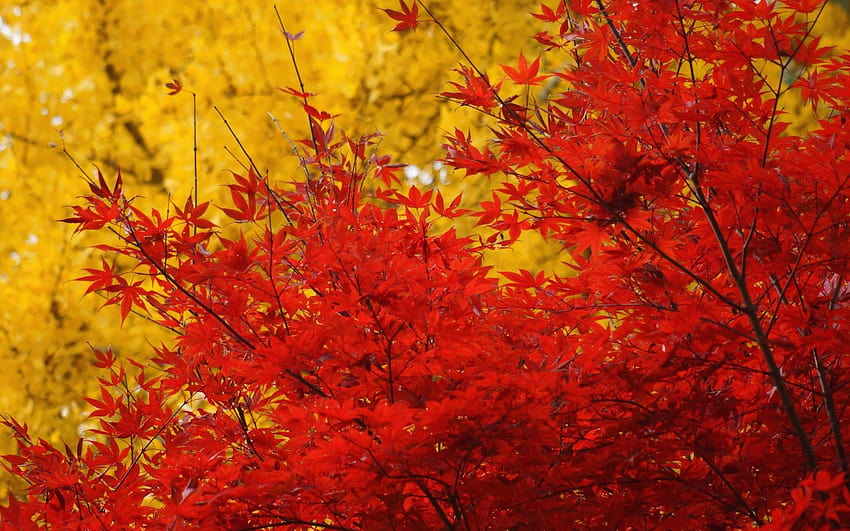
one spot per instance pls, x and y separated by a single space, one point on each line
88 75
345 360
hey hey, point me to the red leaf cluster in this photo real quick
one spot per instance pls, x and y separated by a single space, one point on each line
346 362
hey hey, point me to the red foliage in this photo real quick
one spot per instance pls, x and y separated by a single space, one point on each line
341 363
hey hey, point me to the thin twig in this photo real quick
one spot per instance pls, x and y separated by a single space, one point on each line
301 161
300 79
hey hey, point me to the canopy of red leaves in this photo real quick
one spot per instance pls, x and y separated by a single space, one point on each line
343 363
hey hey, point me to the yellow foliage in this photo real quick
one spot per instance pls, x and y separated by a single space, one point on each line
833 28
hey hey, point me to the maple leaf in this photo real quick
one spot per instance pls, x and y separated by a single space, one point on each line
105 357
193 215
175 86
406 17
101 188
128 295
100 278
591 236
477 91
524 74
297 93
548 14
414 198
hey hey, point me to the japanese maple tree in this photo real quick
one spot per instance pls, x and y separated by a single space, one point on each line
344 361
709 251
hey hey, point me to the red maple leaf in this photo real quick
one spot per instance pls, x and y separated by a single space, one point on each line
100 278
524 73
406 17
548 14
175 86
